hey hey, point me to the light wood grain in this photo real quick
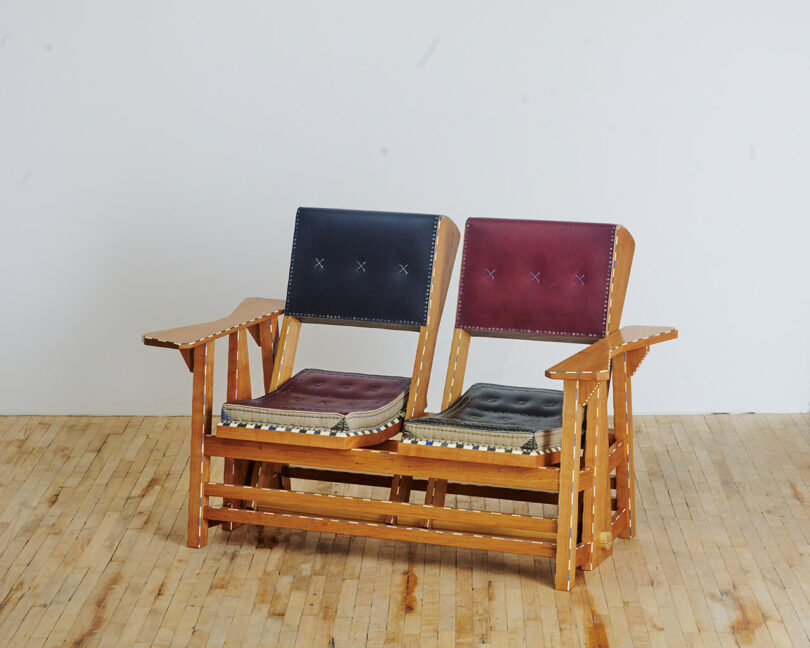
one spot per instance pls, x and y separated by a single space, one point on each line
250 312
593 362
456 368
93 553
285 354
623 249
200 462
447 238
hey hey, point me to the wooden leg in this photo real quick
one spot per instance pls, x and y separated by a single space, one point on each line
589 494
400 492
569 486
438 495
602 545
435 493
623 429
199 465
268 475
237 471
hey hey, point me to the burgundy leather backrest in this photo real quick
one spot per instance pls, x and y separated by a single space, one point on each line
538 279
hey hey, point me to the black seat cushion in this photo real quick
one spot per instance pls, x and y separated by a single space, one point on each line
495 417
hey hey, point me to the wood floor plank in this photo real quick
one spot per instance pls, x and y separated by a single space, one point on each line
92 552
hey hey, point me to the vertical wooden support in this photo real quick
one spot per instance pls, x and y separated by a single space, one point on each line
601 522
456 368
434 496
623 248
590 454
276 331
267 342
569 487
236 471
199 465
623 430
238 366
447 237
285 356
267 475
400 492
188 358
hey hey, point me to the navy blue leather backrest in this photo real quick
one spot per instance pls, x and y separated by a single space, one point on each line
362 268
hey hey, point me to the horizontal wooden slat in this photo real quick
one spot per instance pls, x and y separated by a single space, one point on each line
453 488
345 477
479 456
383 531
392 463
341 505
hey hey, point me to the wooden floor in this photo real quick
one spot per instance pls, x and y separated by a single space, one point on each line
92 553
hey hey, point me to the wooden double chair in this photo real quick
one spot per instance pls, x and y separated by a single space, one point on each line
520 279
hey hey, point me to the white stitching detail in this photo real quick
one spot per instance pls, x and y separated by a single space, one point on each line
612 349
455 364
208 337
610 290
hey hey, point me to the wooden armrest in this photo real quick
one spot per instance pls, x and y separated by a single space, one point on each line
628 338
593 362
251 311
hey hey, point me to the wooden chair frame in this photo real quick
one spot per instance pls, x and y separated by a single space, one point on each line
575 479
252 482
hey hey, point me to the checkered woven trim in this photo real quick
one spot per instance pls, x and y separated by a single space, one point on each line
485 448
318 432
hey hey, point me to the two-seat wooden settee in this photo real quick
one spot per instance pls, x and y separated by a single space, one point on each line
532 280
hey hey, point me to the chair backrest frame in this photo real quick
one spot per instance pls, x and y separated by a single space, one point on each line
478 277
443 244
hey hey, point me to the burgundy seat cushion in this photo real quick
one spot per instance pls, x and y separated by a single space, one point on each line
545 279
324 400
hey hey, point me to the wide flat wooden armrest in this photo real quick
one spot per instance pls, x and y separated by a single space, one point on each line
593 362
252 311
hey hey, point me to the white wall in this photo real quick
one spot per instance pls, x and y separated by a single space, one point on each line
153 153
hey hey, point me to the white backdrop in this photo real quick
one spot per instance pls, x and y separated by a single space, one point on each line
153 153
